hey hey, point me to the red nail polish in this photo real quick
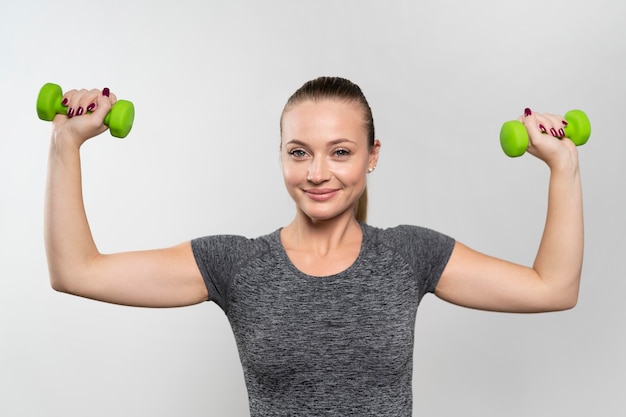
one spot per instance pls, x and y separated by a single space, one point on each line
527 112
91 107
106 92
64 102
79 111
70 113
553 132
564 123
561 133
542 128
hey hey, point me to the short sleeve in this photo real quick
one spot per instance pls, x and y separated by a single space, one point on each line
219 258
426 250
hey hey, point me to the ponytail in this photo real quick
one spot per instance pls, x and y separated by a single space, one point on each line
360 209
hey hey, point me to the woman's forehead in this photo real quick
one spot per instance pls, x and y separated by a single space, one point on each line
323 115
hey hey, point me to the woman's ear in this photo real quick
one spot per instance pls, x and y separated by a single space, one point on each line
374 151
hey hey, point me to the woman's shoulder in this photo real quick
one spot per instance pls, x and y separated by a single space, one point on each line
235 245
406 236
401 231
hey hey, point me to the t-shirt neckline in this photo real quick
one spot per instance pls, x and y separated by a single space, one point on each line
287 260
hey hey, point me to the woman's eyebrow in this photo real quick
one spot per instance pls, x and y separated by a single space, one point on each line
330 143
296 142
340 140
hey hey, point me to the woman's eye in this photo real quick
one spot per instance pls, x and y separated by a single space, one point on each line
342 152
298 153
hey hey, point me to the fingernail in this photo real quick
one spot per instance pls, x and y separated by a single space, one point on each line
561 133
70 113
527 112
64 102
542 128
553 132
91 107
79 111
564 123
106 92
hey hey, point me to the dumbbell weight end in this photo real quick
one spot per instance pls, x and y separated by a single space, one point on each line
578 127
120 118
514 138
49 102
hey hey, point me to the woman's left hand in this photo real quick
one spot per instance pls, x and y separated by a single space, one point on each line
547 140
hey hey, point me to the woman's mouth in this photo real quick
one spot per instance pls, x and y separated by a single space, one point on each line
321 194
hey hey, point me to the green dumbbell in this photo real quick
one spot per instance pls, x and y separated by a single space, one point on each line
514 137
119 119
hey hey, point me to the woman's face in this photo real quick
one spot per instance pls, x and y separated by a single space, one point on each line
325 157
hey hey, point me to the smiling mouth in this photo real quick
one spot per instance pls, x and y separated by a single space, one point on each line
321 194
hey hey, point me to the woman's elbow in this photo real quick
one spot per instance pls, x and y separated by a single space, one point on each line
563 305
70 277
58 283
570 302
564 300
63 282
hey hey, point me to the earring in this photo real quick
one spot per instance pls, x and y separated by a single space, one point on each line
370 170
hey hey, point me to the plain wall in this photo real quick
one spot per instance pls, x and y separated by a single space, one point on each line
209 80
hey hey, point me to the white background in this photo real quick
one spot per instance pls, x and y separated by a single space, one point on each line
209 80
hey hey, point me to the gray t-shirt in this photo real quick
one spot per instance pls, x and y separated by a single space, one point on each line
340 345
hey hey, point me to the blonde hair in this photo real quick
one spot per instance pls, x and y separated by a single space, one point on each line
337 88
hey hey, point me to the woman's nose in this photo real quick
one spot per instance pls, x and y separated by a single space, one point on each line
318 171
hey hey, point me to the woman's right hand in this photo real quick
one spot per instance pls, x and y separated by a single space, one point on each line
86 110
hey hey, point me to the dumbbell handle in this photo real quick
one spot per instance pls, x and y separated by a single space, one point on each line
514 137
119 119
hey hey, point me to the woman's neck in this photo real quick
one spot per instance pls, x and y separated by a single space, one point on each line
321 236
322 248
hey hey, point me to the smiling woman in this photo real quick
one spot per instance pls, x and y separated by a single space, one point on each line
323 310
325 157
340 90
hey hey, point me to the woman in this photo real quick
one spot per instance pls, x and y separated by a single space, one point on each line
323 310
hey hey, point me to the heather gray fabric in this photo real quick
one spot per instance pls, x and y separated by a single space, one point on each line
340 345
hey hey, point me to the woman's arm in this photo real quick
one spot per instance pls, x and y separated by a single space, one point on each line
158 278
479 281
